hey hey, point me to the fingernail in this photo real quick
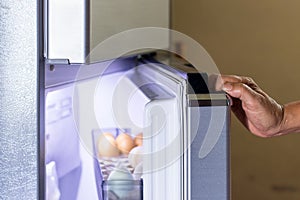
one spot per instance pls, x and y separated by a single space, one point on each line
227 87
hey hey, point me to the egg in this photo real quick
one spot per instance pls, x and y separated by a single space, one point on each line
124 143
138 140
107 146
135 156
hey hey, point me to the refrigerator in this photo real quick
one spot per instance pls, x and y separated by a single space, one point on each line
103 106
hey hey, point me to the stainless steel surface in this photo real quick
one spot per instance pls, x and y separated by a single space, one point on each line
19 100
73 26
217 96
67 30
213 99
209 174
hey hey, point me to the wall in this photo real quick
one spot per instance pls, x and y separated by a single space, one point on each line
261 39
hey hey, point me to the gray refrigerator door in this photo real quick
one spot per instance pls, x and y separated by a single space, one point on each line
209 153
19 75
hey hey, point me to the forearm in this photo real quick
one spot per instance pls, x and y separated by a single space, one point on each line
291 118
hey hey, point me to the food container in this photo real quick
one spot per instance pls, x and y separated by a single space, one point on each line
104 166
125 190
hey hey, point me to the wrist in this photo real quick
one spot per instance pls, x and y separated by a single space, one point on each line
290 118
279 125
282 121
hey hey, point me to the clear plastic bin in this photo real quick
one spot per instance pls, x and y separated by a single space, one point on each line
114 189
125 190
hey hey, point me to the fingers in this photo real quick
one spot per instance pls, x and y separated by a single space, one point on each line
241 87
237 79
241 91
222 79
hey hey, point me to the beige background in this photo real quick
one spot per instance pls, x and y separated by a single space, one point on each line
261 39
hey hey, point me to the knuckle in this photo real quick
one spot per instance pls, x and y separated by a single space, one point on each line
247 79
239 78
250 79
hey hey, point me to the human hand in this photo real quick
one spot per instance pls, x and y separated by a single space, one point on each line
258 112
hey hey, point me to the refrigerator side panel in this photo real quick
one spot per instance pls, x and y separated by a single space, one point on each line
19 75
209 174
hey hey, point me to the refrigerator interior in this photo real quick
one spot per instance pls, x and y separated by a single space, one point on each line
144 99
